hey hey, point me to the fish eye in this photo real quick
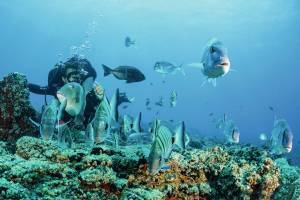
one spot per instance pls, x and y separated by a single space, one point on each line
213 49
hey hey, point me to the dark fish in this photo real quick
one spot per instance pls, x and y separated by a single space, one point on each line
128 73
129 42
211 114
123 98
160 102
124 107
147 102
271 108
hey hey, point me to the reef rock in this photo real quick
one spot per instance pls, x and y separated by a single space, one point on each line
15 108
43 170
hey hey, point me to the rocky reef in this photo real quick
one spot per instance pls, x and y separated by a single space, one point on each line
15 108
42 170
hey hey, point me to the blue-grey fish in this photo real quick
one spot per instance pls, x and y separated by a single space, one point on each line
129 42
128 73
136 126
230 130
164 142
126 126
74 94
281 138
164 67
106 117
64 137
49 120
215 61
160 102
173 98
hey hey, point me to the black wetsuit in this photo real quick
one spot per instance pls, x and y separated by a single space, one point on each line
55 82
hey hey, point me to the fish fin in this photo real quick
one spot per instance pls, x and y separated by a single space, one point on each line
131 99
179 138
35 123
114 114
204 82
107 70
181 69
137 123
213 81
195 65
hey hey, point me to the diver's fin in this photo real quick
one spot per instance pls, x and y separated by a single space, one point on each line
35 123
107 70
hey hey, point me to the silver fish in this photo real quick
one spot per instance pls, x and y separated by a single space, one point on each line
89 135
48 122
128 73
215 61
230 130
281 138
136 126
163 145
173 98
163 67
64 137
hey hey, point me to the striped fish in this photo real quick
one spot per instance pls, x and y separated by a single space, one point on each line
163 145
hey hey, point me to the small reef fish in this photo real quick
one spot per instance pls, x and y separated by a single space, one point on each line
230 130
129 42
74 94
128 73
215 62
164 68
281 138
173 98
263 137
160 102
164 142
147 102
123 98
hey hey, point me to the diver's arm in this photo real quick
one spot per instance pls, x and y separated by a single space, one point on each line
37 89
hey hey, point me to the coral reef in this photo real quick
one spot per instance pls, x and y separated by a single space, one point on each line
43 170
15 108
289 181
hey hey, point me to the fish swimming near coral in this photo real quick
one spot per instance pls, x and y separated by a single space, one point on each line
164 142
173 98
230 130
215 62
74 95
49 121
128 73
281 138
123 98
136 126
164 68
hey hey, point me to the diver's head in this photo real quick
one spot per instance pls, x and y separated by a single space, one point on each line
74 70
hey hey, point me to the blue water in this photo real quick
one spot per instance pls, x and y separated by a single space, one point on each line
262 38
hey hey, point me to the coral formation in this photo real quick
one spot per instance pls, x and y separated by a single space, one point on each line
41 169
15 108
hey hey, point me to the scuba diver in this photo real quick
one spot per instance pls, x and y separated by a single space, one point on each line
73 70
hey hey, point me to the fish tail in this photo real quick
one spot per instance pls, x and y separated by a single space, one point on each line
107 70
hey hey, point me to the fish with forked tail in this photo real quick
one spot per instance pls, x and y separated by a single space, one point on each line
128 73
